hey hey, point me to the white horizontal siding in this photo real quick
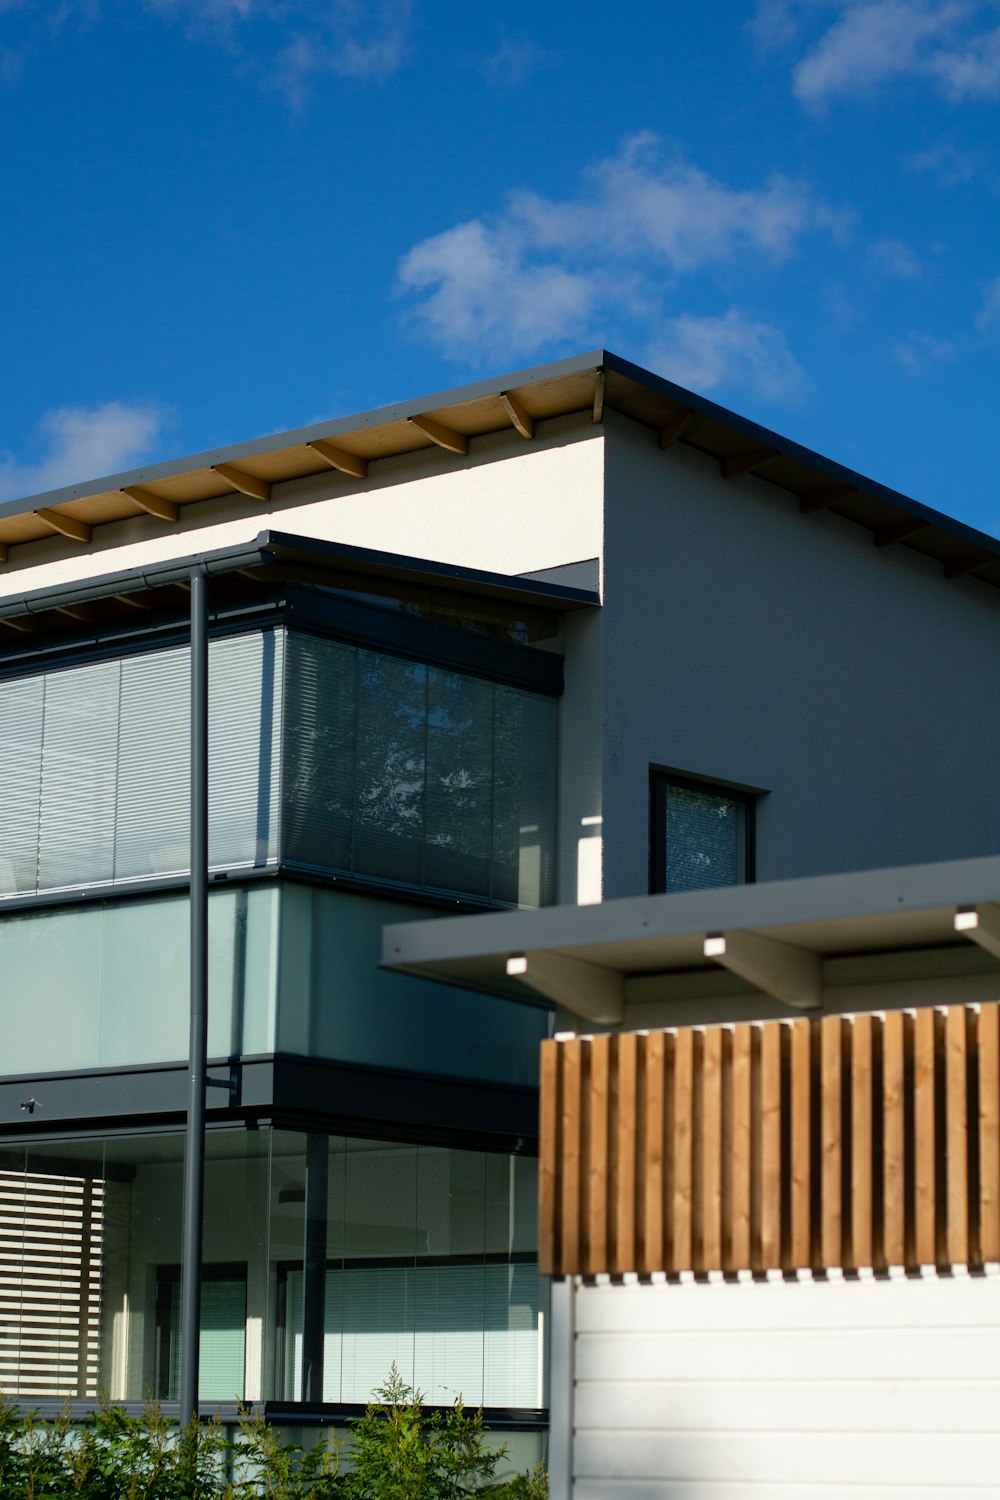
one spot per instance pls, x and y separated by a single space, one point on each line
716 1390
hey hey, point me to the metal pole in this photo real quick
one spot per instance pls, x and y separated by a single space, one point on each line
194 1145
314 1265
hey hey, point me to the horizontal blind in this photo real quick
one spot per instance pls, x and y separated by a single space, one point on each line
151 826
21 706
51 1247
79 768
469 1330
245 674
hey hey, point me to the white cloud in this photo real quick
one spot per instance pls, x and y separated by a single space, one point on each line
951 167
895 258
290 44
513 62
988 316
545 270
918 352
954 45
733 350
80 443
483 295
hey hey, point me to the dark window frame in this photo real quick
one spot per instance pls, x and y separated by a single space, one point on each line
661 779
166 1284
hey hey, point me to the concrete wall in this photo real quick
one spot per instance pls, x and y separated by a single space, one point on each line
746 642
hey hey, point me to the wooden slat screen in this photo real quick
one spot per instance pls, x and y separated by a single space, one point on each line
845 1141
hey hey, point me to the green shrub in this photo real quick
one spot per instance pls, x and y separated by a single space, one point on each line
396 1451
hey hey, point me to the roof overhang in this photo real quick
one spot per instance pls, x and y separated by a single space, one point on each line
920 934
271 555
588 385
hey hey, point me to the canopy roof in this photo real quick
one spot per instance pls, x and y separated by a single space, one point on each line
808 944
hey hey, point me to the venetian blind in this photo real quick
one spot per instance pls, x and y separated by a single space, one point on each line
51 1246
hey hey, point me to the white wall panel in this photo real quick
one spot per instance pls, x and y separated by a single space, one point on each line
736 1390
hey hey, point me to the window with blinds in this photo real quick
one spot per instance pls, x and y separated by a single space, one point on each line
96 766
51 1251
453 1329
379 767
222 1341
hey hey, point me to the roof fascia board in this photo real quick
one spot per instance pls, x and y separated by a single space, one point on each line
771 904
379 416
274 546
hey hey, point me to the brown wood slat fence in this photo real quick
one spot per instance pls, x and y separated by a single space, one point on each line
862 1141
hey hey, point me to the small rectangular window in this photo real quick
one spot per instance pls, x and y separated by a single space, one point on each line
701 836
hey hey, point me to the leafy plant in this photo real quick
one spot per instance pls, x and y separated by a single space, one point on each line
396 1451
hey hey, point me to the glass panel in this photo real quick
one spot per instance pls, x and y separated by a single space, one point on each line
107 984
20 784
704 835
420 1272
151 824
524 803
392 730
335 1002
79 768
318 752
244 781
459 808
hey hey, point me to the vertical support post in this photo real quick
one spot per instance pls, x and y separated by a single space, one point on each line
314 1265
194 1144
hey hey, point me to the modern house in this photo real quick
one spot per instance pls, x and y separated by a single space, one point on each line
568 636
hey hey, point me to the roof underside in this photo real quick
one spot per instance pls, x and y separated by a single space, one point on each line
592 383
580 953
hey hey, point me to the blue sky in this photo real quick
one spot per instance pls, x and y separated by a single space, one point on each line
223 218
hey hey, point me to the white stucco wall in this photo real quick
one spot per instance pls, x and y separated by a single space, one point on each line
510 507
746 642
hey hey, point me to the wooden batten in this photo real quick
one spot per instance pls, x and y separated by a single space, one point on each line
339 458
519 416
829 1143
445 437
77 531
153 505
748 462
247 484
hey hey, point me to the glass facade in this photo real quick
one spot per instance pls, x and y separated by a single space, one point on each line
322 754
326 1259
292 968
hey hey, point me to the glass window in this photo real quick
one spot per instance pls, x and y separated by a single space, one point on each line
701 836
418 776
346 1253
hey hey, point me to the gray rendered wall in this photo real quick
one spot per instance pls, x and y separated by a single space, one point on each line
746 642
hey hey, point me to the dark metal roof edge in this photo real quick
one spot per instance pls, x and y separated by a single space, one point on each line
271 546
779 903
766 438
340 426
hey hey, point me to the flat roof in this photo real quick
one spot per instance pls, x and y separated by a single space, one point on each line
794 927
591 383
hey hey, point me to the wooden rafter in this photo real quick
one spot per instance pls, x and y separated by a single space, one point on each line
972 562
247 484
445 437
599 396
69 526
822 499
899 531
748 462
133 601
676 427
340 459
521 419
154 505
18 625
